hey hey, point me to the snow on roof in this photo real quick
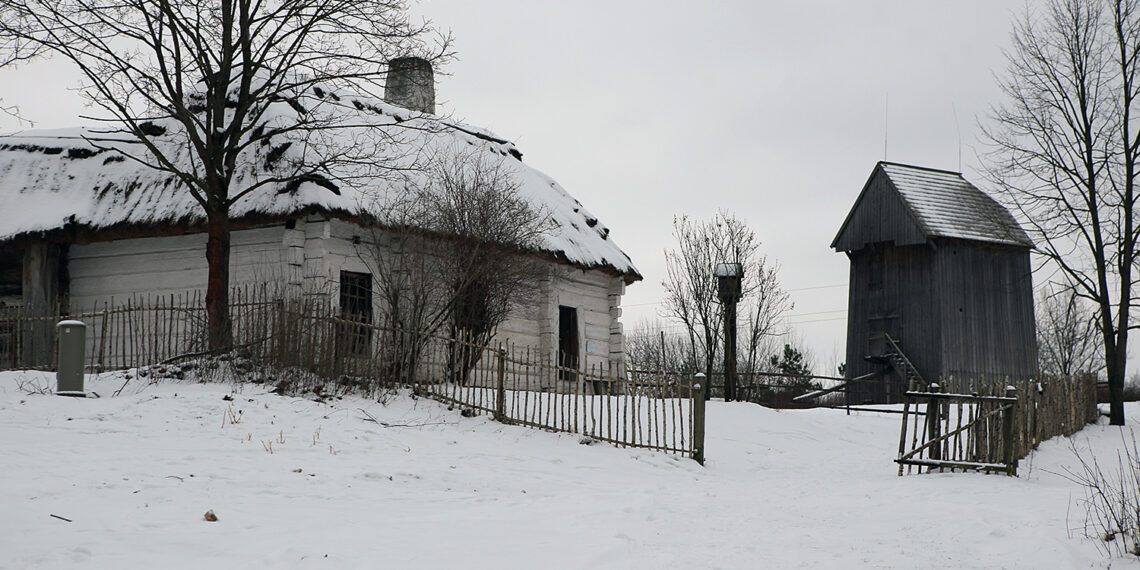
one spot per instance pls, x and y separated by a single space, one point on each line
80 177
947 205
910 205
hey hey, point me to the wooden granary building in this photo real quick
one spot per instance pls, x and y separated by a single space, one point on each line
940 288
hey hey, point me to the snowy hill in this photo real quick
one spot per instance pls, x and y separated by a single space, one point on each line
355 484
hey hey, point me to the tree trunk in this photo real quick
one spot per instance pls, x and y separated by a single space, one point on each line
218 286
1114 370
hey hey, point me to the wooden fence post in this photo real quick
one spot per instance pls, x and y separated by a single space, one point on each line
902 436
500 385
1007 432
700 388
103 337
934 424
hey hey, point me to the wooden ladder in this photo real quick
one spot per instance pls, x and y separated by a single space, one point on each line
912 380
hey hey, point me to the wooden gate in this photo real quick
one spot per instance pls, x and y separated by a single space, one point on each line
958 431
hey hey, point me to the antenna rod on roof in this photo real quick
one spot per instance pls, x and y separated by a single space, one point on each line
886 118
958 128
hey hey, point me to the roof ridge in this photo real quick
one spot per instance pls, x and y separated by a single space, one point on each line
916 167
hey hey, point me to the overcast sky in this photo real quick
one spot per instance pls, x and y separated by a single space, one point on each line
644 110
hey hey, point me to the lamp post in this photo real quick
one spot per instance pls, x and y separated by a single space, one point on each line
729 276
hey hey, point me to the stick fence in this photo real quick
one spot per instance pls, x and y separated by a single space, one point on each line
516 384
991 430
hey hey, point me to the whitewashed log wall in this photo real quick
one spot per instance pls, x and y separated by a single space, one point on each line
309 257
160 266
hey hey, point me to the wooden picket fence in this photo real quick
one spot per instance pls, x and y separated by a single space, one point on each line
958 431
991 432
134 332
1051 406
131 332
517 384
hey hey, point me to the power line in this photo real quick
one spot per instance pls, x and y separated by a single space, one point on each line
793 315
818 321
642 304
817 287
785 290
666 326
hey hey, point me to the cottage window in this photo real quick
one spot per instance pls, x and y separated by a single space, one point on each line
356 306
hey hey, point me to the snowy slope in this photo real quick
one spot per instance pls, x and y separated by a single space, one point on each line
805 489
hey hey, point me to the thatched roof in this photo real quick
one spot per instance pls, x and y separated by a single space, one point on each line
83 178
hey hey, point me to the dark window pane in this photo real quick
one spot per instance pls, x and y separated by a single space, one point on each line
356 305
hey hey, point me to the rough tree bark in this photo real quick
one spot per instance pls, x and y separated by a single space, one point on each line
218 281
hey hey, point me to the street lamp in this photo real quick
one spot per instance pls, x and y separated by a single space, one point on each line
729 276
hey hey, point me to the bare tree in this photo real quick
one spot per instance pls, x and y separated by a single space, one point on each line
1067 339
1065 150
691 294
648 347
228 96
413 304
490 233
458 250
764 319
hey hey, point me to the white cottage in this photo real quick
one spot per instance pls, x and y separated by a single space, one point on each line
82 225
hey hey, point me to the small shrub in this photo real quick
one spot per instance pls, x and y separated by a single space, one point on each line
286 380
33 386
1112 499
1131 393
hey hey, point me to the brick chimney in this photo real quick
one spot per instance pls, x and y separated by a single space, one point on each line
410 84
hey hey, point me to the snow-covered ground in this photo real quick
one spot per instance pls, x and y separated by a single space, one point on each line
300 484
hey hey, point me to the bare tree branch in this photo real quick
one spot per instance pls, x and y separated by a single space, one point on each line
691 297
1064 155
455 248
229 96
1068 341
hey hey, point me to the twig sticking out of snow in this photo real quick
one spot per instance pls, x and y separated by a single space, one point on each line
373 419
120 390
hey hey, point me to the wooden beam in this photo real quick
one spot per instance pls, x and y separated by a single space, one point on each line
40 297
